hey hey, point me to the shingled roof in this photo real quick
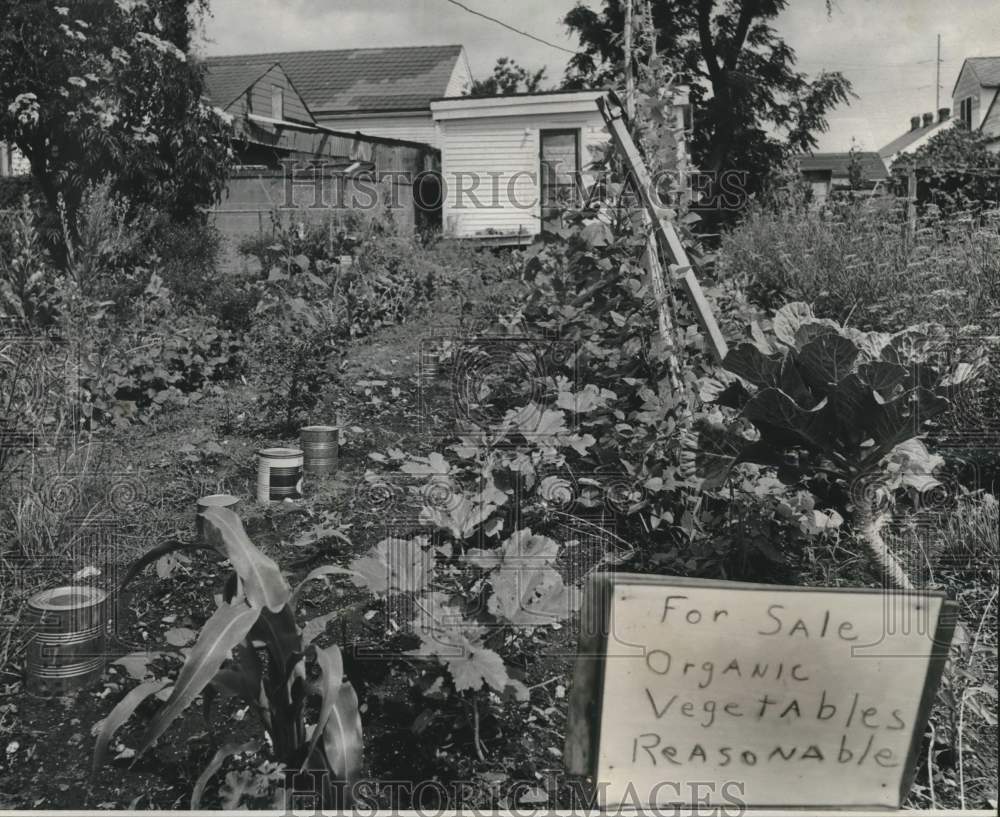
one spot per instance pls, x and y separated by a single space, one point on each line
360 79
986 70
872 166
225 82
902 142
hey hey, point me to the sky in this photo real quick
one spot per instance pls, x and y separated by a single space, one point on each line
887 48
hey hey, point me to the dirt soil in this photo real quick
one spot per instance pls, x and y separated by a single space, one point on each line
48 742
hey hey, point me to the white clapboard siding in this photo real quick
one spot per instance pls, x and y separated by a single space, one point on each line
491 168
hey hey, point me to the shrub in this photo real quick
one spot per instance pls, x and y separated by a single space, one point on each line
187 263
855 260
956 171
26 276
13 189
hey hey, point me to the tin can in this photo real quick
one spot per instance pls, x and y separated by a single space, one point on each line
320 446
279 474
67 639
212 501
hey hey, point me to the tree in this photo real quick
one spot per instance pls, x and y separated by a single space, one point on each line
508 78
105 90
955 171
752 109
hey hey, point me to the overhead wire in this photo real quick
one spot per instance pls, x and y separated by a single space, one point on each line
509 27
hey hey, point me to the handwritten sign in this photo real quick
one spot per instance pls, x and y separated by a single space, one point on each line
722 693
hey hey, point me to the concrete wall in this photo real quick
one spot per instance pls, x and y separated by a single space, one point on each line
254 199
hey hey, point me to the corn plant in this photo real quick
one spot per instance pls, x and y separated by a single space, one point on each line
251 648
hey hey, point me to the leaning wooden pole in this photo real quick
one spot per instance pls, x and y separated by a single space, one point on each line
670 246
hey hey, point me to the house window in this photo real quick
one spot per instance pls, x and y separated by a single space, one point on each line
277 102
965 111
560 174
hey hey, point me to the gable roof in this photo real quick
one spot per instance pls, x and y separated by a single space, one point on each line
989 111
900 143
360 79
986 70
225 83
872 166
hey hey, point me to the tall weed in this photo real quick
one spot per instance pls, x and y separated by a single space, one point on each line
857 260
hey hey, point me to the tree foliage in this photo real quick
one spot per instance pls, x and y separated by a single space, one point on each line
955 171
508 78
752 108
105 89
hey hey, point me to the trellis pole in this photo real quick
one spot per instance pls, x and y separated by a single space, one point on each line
665 243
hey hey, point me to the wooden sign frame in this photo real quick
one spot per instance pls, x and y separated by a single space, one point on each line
586 700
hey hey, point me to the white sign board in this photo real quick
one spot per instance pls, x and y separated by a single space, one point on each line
722 693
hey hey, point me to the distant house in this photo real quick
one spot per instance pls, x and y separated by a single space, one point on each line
382 92
275 123
922 128
827 171
330 169
12 161
975 96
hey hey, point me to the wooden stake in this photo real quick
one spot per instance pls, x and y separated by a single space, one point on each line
911 204
670 245
629 79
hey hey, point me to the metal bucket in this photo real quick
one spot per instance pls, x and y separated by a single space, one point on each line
212 501
67 647
320 446
279 474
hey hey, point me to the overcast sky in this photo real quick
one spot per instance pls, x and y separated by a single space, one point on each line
886 48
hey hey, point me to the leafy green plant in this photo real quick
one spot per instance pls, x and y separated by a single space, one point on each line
131 371
461 606
956 171
26 275
834 410
294 341
252 648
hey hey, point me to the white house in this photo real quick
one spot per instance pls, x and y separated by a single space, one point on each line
922 130
508 161
382 92
12 161
976 97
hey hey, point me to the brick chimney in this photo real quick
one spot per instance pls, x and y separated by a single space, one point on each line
928 119
914 123
943 114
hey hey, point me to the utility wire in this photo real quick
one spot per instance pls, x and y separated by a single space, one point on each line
509 27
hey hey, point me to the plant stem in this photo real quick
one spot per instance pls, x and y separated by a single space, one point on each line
475 731
868 524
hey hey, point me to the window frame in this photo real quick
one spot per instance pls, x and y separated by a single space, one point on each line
277 94
577 134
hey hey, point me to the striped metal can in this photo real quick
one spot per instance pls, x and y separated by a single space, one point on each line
212 501
320 446
279 474
67 639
